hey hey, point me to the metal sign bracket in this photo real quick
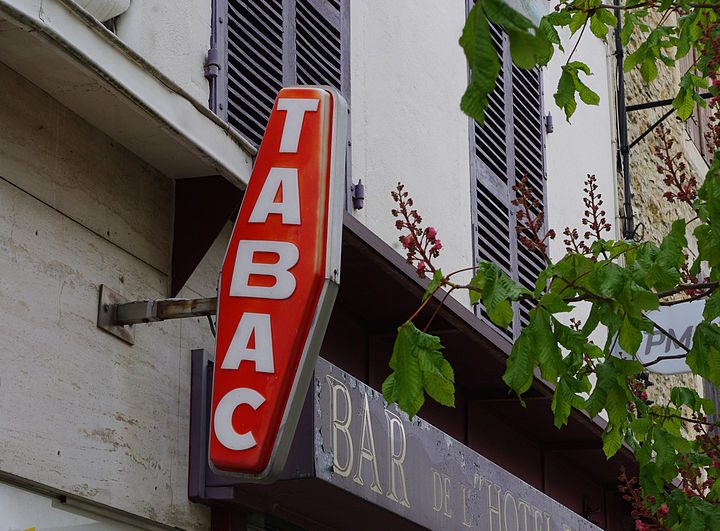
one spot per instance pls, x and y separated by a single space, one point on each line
118 316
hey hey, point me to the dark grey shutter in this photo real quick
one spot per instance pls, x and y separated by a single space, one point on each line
254 63
507 146
266 45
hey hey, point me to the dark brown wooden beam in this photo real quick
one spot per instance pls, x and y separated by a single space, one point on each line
202 207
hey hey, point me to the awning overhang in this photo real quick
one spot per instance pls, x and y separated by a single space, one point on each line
74 58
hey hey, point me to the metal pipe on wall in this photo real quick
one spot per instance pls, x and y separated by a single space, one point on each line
623 144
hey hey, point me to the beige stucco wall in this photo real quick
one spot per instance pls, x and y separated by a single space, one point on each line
172 36
582 145
81 411
408 75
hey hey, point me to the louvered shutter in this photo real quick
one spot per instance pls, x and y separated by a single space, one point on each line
508 145
263 46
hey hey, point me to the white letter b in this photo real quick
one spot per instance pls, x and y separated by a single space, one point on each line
285 283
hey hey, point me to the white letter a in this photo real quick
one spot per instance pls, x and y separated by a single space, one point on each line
288 207
262 354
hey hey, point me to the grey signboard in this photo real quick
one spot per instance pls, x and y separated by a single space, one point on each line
415 470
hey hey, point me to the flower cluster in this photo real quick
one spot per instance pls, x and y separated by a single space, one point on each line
594 215
530 219
647 514
638 386
594 219
422 245
689 278
697 477
712 135
672 167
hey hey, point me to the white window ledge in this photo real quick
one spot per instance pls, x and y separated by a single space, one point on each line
75 59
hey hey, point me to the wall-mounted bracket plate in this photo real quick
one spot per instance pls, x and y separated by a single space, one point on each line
107 306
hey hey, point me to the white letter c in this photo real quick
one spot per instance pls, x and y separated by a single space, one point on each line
222 422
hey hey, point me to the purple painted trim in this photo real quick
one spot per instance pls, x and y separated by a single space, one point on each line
206 486
217 59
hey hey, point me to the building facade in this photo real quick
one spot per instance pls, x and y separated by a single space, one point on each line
129 131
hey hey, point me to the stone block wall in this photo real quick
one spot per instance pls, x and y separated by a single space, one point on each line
653 214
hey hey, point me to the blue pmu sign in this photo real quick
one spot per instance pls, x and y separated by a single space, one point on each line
662 354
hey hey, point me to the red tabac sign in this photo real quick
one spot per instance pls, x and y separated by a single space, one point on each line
278 283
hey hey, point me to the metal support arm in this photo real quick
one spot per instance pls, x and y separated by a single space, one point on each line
151 311
117 315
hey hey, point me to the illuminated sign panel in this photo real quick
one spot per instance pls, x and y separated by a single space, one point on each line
278 283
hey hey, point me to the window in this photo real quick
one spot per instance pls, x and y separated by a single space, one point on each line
260 47
509 145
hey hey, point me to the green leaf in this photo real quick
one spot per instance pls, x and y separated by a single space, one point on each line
587 95
434 284
612 439
608 394
684 103
593 320
496 290
478 282
405 384
570 84
499 12
640 428
649 70
573 340
684 396
554 303
665 271
501 313
389 389
577 21
627 29
547 29
598 27
630 337
549 356
712 306
565 94
562 401
566 397
609 280
418 367
708 240
664 449
709 192
704 357
689 33
483 61
528 51
694 519
635 58
625 368
558 18
520 364
438 376
606 17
